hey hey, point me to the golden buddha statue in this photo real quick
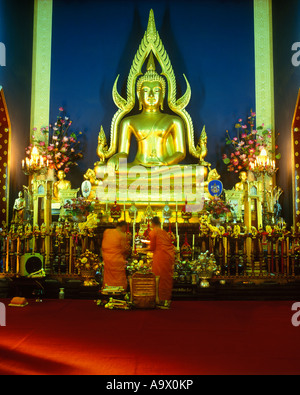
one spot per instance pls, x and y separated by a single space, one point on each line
19 209
241 186
202 148
61 185
162 138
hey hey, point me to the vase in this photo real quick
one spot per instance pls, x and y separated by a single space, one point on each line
186 216
115 212
204 276
88 278
115 216
217 221
79 217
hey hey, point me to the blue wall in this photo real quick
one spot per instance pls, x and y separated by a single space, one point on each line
210 41
16 32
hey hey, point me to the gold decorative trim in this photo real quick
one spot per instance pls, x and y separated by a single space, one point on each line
295 134
5 158
41 66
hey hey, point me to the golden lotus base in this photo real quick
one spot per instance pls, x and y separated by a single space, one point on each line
165 183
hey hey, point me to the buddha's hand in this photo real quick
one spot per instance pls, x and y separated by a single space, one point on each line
114 161
155 161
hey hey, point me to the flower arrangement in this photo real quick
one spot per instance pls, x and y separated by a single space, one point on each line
217 207
247 145
87 264
88 261
142 265
79 206
183 270
205 262
62 150
205 267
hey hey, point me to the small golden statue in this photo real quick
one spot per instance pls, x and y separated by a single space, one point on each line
92 222
102 146
61 185
19 209
202 148
242 185
90 175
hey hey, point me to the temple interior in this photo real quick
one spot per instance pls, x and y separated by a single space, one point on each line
148 156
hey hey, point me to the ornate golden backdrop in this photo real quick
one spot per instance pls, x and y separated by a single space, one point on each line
296 161
5 131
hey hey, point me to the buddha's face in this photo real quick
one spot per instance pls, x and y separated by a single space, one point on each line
151 95
243 176
61 175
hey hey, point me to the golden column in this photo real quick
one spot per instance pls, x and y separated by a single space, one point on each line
41 66
40 96
264 71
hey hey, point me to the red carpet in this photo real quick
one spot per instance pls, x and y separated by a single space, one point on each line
192 338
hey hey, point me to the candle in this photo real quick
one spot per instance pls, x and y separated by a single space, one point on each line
7 253
23 164
193 246
133 232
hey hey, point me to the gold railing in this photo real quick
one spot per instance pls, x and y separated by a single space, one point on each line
257 255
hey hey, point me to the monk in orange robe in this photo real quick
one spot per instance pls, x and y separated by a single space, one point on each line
163 260
114 251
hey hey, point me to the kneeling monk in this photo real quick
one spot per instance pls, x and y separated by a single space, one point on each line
114 251
163 259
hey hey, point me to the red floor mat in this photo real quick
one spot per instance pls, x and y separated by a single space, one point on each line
192 338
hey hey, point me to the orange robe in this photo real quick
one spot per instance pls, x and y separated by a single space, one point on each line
114 249
163 261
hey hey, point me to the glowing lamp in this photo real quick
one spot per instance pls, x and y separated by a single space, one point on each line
34 164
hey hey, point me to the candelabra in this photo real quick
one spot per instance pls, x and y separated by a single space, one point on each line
264 166
35 164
